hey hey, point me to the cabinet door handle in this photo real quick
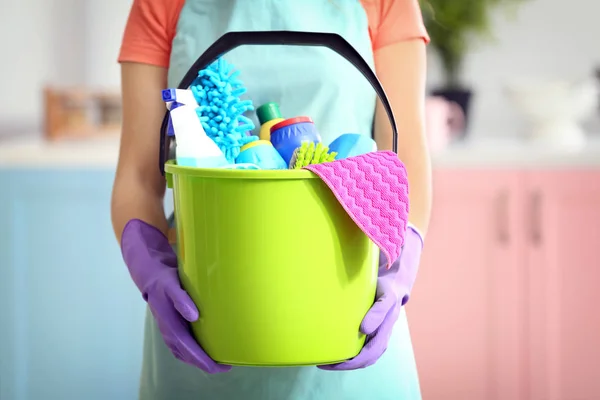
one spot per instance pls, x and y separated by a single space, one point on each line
536 218
502 233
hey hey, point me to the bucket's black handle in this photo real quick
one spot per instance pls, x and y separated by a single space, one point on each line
231 40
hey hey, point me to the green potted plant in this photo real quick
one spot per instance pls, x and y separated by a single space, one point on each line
453 26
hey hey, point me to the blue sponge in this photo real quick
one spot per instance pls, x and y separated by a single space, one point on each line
351 145
217 90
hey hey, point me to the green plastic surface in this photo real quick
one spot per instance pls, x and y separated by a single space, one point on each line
281 274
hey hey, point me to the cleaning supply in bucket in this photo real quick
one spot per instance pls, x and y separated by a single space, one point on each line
217 90
351 145
261 153
268 115
181 96
193 147
177 96
373 189
309 153
289 134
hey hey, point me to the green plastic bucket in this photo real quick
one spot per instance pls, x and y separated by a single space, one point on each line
280 273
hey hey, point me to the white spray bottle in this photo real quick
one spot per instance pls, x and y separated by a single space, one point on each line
193 147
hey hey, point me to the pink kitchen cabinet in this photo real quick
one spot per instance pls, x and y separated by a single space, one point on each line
465 311
563 274
504 307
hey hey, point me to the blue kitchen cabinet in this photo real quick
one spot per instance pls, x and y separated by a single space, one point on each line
71 320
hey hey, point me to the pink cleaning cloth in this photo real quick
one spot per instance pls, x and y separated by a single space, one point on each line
373 189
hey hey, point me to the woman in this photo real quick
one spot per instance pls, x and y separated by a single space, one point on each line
161 41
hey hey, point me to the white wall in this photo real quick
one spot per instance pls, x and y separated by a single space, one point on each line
76 41
548 39
105 23
61 42
27 57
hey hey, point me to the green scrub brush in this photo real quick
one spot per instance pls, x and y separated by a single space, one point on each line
309 153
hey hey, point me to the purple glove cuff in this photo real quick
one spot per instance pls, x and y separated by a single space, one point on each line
145 247
403 272
415 230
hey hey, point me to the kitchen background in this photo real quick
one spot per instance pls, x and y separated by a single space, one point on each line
504 307
546 38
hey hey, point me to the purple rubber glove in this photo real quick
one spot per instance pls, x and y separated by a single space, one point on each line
152 264
393 290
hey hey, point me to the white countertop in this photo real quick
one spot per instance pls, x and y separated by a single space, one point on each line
103 153
36 152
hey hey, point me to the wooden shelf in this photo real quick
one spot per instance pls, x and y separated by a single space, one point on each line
80 112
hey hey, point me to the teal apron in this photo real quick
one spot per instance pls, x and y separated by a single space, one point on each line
309 81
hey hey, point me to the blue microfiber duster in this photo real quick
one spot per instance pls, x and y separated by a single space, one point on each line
217 90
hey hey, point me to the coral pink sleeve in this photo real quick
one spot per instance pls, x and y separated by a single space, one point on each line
149 32
392 21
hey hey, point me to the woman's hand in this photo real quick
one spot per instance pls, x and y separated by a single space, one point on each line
393 290
153 267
